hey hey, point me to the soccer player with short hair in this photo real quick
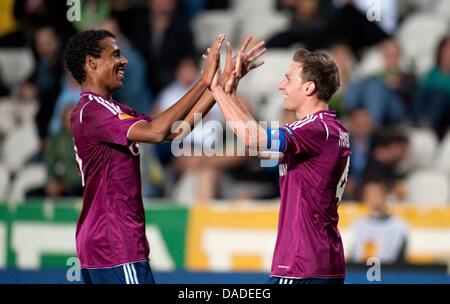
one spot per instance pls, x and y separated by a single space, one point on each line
110 237
313 168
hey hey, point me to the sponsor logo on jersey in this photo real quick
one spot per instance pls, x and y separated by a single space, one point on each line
123 116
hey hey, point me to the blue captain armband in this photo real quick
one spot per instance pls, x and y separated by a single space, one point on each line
276 140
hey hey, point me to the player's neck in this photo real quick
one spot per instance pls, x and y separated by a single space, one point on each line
310 107
101 91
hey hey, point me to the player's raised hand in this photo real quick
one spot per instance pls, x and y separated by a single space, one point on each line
232 82
215 84
227 78
212 60
229 66
249 58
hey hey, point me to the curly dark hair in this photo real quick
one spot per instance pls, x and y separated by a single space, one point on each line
81 45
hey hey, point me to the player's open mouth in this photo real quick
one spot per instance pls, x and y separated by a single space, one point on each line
120 73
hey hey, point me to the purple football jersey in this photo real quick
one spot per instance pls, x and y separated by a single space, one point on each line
111 226
313 173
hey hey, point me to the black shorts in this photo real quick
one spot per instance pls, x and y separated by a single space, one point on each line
131 273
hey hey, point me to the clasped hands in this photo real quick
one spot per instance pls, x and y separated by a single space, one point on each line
235 67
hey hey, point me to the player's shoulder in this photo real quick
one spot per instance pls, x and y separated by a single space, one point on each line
92 104
309 127
309 122
330 117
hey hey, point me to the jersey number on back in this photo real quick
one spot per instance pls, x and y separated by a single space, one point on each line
342 181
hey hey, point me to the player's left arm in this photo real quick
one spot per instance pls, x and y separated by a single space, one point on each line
207 101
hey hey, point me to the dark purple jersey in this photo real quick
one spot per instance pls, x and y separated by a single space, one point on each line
111 226
313 173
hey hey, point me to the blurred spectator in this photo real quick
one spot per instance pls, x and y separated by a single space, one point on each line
45 80
68 96
7 21
286 5
191 8
351 24
432 103
153 177
237 177
186 73
33 14
135 92
162 37
217 4
361 128
390 148
63 178
379 234
93 13
343 56
388 95
4 90
309 26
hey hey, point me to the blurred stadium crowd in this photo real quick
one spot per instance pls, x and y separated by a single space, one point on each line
394 98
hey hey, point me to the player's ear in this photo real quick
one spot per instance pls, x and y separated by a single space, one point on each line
310 88
91 62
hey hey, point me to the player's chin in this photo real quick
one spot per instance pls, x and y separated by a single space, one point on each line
286 106
118 84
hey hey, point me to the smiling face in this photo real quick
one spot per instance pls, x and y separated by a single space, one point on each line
294 89
108 70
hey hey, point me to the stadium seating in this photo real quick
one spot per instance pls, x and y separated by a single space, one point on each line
405 6
183 191
442 159
428 187
371 62
15 112
28 178
442 8
264 27
7 123
15 65
269 76
419 35
271 107
252 8
207 25
19 145
4 182
423 147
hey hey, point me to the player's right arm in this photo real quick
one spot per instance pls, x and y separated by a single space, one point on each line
160 128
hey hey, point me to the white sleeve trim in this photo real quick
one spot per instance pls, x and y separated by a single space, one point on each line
81 112
128 132
326 129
